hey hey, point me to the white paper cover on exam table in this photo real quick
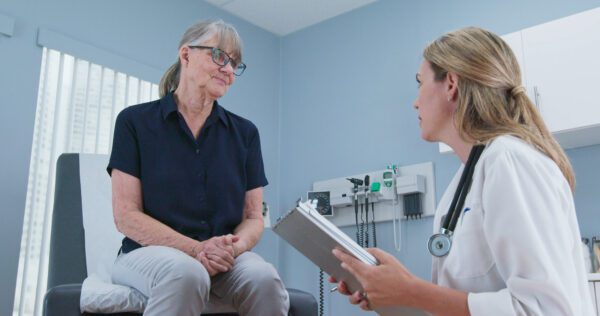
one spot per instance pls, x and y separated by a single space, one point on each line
516 248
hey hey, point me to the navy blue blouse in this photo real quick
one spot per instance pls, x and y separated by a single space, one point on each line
195 186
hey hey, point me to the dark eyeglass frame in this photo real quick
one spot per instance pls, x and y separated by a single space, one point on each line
215 52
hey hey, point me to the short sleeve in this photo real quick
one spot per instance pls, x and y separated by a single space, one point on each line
125 154
255 170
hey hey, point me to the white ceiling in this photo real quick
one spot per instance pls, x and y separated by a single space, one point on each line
282 17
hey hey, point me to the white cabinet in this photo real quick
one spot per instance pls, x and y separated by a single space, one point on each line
593 293
562 69
594 283
596 298
515 41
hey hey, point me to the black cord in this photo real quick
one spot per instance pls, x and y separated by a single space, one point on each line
373 223
362 227
367 225
356 220
321 293
367 181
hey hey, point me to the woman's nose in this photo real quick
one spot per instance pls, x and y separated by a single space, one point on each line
227 68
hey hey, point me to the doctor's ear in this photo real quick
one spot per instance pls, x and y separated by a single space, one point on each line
451 86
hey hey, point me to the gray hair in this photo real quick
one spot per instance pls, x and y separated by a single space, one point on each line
228 39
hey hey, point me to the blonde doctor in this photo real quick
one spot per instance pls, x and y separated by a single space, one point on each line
506 239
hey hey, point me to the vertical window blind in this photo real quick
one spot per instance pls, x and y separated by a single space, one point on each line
76 110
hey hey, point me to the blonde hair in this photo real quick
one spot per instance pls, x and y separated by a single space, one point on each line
491 99
227 39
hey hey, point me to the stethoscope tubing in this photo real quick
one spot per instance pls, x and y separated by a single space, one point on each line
463 190
439 244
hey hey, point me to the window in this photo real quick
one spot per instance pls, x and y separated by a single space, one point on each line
76 110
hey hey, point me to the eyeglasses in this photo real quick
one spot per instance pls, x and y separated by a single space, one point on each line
221 58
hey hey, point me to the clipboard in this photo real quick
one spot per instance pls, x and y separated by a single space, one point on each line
314 236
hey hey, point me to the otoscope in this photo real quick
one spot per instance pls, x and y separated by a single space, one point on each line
356 182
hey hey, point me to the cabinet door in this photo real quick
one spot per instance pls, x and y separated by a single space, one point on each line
562 64
593 293
596 298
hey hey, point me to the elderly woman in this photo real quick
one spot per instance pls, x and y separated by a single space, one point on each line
187 179
508 241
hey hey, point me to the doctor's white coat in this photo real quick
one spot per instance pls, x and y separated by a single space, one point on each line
516 247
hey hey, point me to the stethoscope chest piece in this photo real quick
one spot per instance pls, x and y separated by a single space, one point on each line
439 244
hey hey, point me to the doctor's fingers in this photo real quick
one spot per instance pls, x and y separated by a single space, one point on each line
356 298
381 256
343 288
344 257
353 265
365 305
361 300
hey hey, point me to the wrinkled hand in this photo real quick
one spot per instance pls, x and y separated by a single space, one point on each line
386 284
239 246
210 268
218 253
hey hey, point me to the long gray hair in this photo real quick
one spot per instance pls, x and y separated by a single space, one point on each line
227 39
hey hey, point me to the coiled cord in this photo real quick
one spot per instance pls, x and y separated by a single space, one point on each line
373 224
361 234
321 293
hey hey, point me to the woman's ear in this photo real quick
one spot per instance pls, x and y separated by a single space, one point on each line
184 55
452 86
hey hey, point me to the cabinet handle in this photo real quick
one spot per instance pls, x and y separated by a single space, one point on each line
536 97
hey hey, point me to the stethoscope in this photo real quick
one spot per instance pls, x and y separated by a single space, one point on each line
440 243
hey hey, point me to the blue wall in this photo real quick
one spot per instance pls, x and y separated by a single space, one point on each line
347 92
145 32
346 81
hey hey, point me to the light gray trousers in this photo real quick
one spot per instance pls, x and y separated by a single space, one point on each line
177 284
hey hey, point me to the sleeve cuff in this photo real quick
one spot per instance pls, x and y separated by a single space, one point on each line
121 167
490 303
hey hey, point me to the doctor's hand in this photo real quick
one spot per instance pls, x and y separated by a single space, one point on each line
356 299
386 284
